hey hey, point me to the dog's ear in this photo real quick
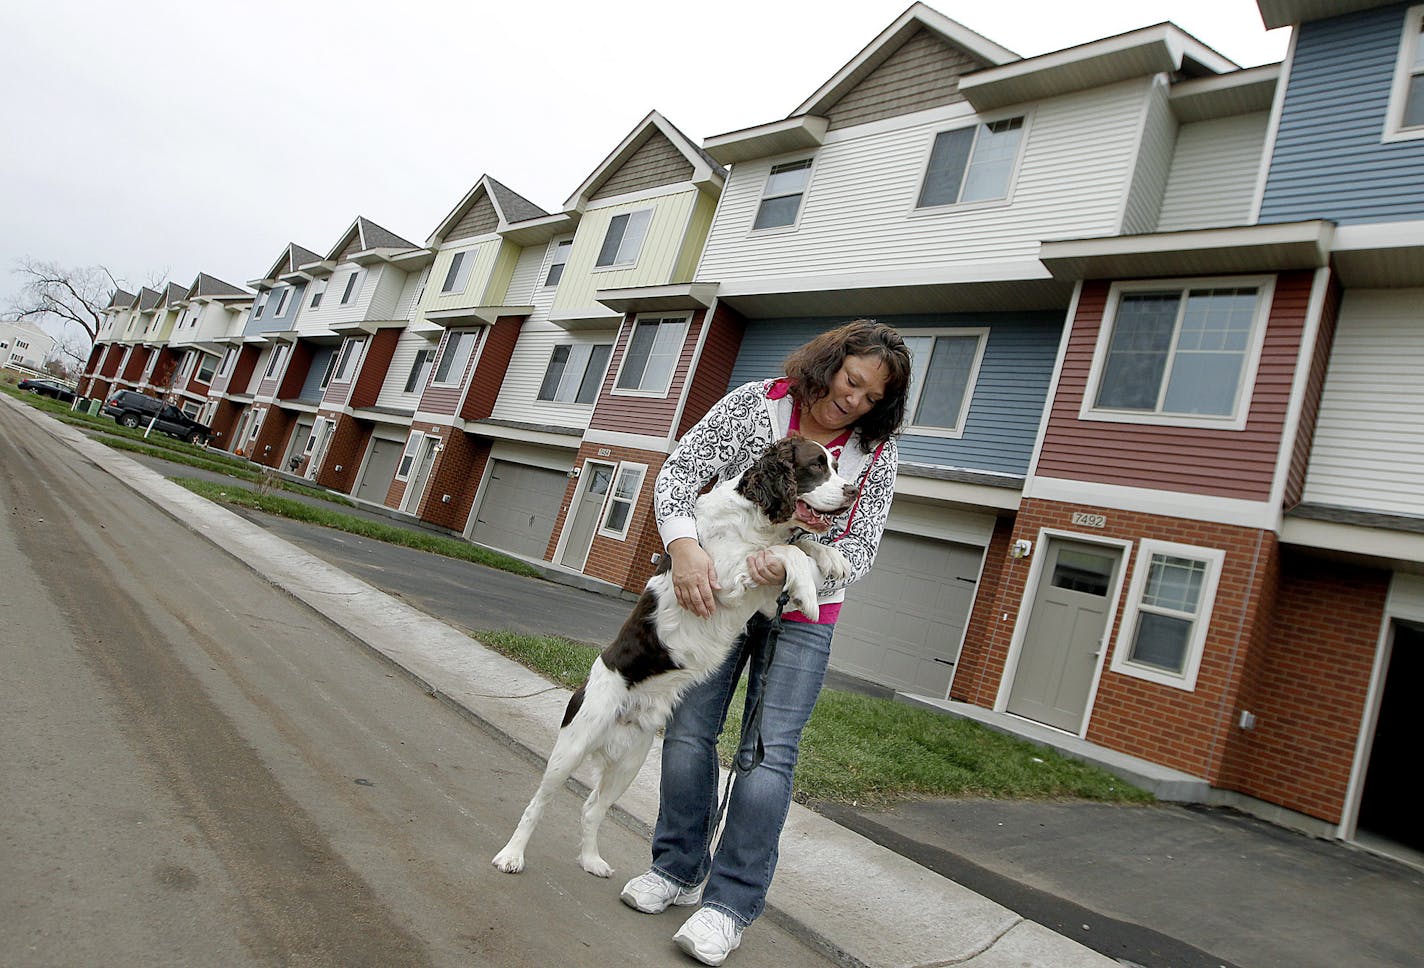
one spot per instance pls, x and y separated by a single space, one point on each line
770 483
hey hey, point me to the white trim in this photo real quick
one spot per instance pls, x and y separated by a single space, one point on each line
576 503
671 440
976 122
641 391
642 242
1265 287
1066 334
453 378
615 438
1305 362
1369 717
611 499
915 391
1353 539
410 450
995 271
945 114
1025 614
1273 127
1172 504
642 195
1411 45
1201 623
546 265
795 223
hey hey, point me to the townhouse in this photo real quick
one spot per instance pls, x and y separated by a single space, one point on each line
1155 488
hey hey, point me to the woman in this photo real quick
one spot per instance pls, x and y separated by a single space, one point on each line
845 389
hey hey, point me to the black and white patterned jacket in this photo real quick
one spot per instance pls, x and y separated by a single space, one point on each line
729 439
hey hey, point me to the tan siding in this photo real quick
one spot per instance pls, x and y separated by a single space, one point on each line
480 218
923 73
354 246
657 162
1233 464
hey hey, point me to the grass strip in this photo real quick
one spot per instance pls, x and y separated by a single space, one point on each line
389 533
241 472
870 751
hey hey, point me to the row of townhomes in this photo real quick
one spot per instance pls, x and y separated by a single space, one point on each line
1159 484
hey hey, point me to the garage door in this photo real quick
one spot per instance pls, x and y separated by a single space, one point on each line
519 508
902 624
380 469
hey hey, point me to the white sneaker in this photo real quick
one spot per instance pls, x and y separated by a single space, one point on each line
651 893
709 936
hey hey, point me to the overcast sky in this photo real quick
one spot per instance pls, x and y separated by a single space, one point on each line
163 138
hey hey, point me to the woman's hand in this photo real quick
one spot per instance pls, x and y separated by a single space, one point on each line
694 577
765 568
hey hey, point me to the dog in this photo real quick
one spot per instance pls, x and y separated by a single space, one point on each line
663 650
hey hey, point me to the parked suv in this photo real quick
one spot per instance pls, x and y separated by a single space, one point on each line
132 409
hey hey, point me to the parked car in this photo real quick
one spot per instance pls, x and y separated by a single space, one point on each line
132 409
48 388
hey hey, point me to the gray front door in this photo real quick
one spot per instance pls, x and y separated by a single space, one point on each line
593 489
1066 630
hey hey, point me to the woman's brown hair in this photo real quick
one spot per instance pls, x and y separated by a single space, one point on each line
813 366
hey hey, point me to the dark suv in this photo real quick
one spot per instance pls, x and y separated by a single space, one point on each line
132 409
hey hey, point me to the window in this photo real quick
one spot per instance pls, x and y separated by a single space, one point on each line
624 238
350 287
311 438
1405 117
1179 353
318 287
191 409
346 365
972 164
206 367
278 355
229 358
419 370
651 356
459 346
943 371
282 301
261 303
575 373
147 367
556 265
330 369
412 445
618 513
1169 609
781 198
458 277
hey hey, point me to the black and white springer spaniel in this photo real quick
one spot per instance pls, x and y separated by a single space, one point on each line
663 650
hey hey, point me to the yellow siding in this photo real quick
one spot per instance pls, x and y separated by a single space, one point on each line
504 261
656 261
484 255
696 237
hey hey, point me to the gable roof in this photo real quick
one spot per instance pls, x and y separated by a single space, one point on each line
121 300
368 235
508 204
147 299
206 285
706 171
292 256
174 293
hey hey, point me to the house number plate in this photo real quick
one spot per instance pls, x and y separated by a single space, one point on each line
1089 520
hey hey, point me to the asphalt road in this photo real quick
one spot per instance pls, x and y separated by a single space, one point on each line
198 770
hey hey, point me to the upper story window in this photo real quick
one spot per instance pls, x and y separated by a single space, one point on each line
781 198
557 263
458 276
459 347
275 362
350 290
942 376
624 239
651 356
1168 612
207 366
346 361
261 303
1184 355
974 164
318 287
282 301
575 373
1405 117
229 358
419 370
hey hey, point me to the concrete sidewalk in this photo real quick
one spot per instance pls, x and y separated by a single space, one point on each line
861 903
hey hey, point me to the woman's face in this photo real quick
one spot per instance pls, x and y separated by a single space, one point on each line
856 388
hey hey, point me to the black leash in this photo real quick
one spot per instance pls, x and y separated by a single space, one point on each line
744 762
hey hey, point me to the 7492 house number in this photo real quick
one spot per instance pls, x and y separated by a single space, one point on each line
1089 520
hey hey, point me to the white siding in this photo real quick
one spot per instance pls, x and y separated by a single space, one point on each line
410 293
393 389
1214 172
529 272
1366 453
526 372
1154 161
1071 183
386 291
331 311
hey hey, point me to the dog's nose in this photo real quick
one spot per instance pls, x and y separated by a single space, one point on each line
848 492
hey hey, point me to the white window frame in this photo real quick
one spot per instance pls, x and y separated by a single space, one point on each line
622 260
612 499
565 246
318 290
282 301
1213 558
977 123
981 335
228 360
274 362
456 375
209 378
457 273
406 464
311 437
191 414
147 367
347 366
810 168
644 391
352 290
1265 287
580 358
420 369
261 303
1411 43
330 370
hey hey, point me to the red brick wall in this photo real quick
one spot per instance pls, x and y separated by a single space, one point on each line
242 369
976 676
457 472
297 365
137 360
1309 693
347 447
708 383
111 360
225 423
272 438
489 372
626 563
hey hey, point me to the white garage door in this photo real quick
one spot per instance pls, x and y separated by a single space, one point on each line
380 470
519 508
902 624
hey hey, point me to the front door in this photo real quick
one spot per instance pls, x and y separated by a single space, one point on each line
1067 627
321 439
588 507
424 461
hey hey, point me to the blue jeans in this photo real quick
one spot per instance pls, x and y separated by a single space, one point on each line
740 873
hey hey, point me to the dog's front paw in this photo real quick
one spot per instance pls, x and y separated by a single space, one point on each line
832 565
509 861
596 866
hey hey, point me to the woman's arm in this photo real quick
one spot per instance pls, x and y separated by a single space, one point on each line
861 540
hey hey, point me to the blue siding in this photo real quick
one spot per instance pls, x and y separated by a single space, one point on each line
269 321
1328 161
1007 403
321 357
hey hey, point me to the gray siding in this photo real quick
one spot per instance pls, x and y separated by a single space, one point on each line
479 219
923 73
1008 397
321 356
269 321
1328 160
657 162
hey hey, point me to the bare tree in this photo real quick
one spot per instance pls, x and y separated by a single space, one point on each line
73 296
